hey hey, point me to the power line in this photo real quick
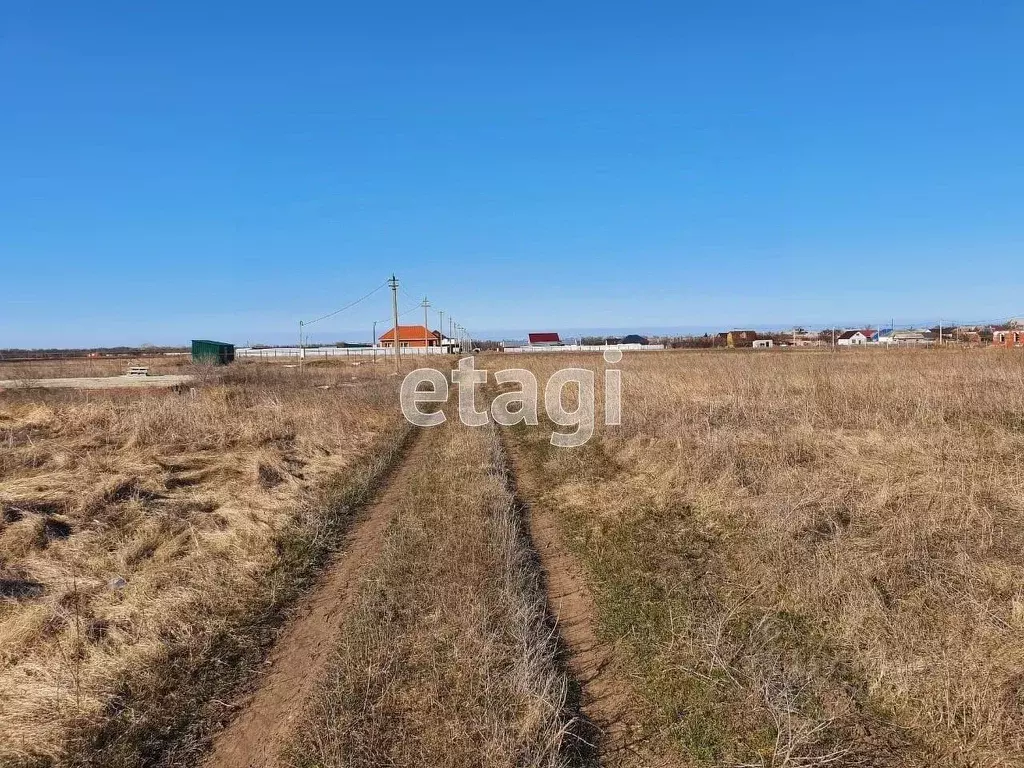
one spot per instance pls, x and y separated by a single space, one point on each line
389 320
347 306
402 314
440 313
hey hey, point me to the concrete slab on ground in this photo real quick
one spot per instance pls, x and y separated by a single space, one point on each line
97 382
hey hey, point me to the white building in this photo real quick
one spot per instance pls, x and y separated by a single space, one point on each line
904 339
854 338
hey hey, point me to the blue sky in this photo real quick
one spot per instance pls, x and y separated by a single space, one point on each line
180 170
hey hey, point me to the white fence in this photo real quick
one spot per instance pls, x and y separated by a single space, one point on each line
284 354
589 348
316 353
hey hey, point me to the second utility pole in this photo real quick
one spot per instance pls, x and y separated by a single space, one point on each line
426 328
393 282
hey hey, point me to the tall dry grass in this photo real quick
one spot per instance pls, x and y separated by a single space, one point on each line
448 659
810 559
137 526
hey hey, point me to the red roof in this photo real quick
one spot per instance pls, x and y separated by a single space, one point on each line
410 333
544 338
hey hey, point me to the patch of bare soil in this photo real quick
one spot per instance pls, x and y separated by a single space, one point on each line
256 735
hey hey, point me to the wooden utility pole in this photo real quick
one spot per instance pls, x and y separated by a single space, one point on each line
393 282
426 327
301 356
440 328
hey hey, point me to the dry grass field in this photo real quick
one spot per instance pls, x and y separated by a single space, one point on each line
140 531
806 559
779 559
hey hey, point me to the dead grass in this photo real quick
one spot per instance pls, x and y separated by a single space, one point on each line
89 367
448 659
810 559
140 529
801 559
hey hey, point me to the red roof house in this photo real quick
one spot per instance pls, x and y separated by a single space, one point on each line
411 336
855 337
545 340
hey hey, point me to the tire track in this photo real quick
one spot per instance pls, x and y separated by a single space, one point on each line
255 737
606 698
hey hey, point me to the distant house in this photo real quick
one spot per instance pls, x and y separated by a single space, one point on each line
855 338
1007 336
545 340
633 338
807 340
904 338
763 344
734 339
411 336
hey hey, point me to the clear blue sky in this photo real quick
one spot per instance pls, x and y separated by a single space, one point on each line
178 170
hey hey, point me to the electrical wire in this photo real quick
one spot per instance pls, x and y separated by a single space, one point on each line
400 315
432 308
347 306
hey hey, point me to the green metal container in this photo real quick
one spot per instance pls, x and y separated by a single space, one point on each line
212 352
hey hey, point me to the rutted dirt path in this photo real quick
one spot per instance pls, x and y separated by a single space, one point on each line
255 737
606 696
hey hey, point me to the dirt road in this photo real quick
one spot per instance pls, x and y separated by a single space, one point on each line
606 700
266 720
256 736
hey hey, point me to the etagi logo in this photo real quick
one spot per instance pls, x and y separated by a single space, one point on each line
510 408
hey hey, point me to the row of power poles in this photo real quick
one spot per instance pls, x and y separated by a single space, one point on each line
454 329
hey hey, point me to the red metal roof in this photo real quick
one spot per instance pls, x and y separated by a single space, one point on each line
540 338
410 333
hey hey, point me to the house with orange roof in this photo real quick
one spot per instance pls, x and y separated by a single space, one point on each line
411 336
